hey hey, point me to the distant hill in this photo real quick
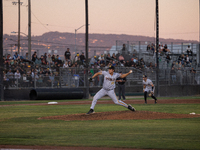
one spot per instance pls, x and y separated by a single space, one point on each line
98 43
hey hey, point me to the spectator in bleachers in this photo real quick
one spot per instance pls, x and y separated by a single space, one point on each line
45 57
114 57
56 79
44 62
82 57
165 49
142 63
5 80
173 65
121 58
114 63
148 47
17 76
92 60
8 57
49 60
38 61
34 57
66 65
168 58
26 56
173 74
76 57
10 76
150 66
128 64
34 76
46 80
193 71
124 48
108 58
67 55
40 80
16 55
53 58
188 60
132 63
189 51
180 65
70 64
153 48
79 62
102 60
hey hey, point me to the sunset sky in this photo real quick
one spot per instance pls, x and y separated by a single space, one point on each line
179 19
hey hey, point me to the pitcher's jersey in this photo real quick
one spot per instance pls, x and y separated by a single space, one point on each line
109 80
148 84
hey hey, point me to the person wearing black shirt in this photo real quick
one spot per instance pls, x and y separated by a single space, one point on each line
82 58
121 87
67 55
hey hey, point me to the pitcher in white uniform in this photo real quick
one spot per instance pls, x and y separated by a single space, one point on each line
108 88
148 87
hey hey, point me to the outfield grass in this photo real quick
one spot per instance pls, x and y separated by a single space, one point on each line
19 126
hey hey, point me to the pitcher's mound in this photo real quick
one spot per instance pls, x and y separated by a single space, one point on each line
120 115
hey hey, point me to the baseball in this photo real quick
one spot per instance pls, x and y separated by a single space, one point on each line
131 71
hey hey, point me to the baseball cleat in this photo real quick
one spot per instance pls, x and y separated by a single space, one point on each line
131 108
91 111
155 101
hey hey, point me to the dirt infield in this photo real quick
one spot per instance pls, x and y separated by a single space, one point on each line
120 115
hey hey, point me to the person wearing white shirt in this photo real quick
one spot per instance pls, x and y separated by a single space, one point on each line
148 87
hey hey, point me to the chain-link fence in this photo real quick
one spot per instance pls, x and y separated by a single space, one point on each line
146 50
42 77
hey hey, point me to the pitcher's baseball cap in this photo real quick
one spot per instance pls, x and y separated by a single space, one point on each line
144 76
112 67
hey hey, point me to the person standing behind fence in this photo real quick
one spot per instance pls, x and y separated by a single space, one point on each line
121 87
82 58
67 55
148 87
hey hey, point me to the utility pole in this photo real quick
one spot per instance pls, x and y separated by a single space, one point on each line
29 29
1 52
199 32
19 3
18 26
157 47
86 47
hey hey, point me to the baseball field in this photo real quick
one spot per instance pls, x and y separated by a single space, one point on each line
172 123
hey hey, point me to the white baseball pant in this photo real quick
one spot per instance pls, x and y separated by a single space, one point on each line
111 94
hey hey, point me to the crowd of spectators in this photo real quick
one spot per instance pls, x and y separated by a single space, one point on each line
22 72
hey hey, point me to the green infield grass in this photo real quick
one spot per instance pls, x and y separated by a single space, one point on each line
19 125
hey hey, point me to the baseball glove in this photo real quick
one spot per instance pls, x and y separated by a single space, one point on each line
90 80
150 94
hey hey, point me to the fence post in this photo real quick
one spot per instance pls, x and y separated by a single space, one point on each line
139 51
60 78
181 48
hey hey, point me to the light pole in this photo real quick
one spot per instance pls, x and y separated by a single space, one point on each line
20 32
75 36
29 43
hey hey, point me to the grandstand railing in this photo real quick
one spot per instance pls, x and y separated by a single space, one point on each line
76 77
